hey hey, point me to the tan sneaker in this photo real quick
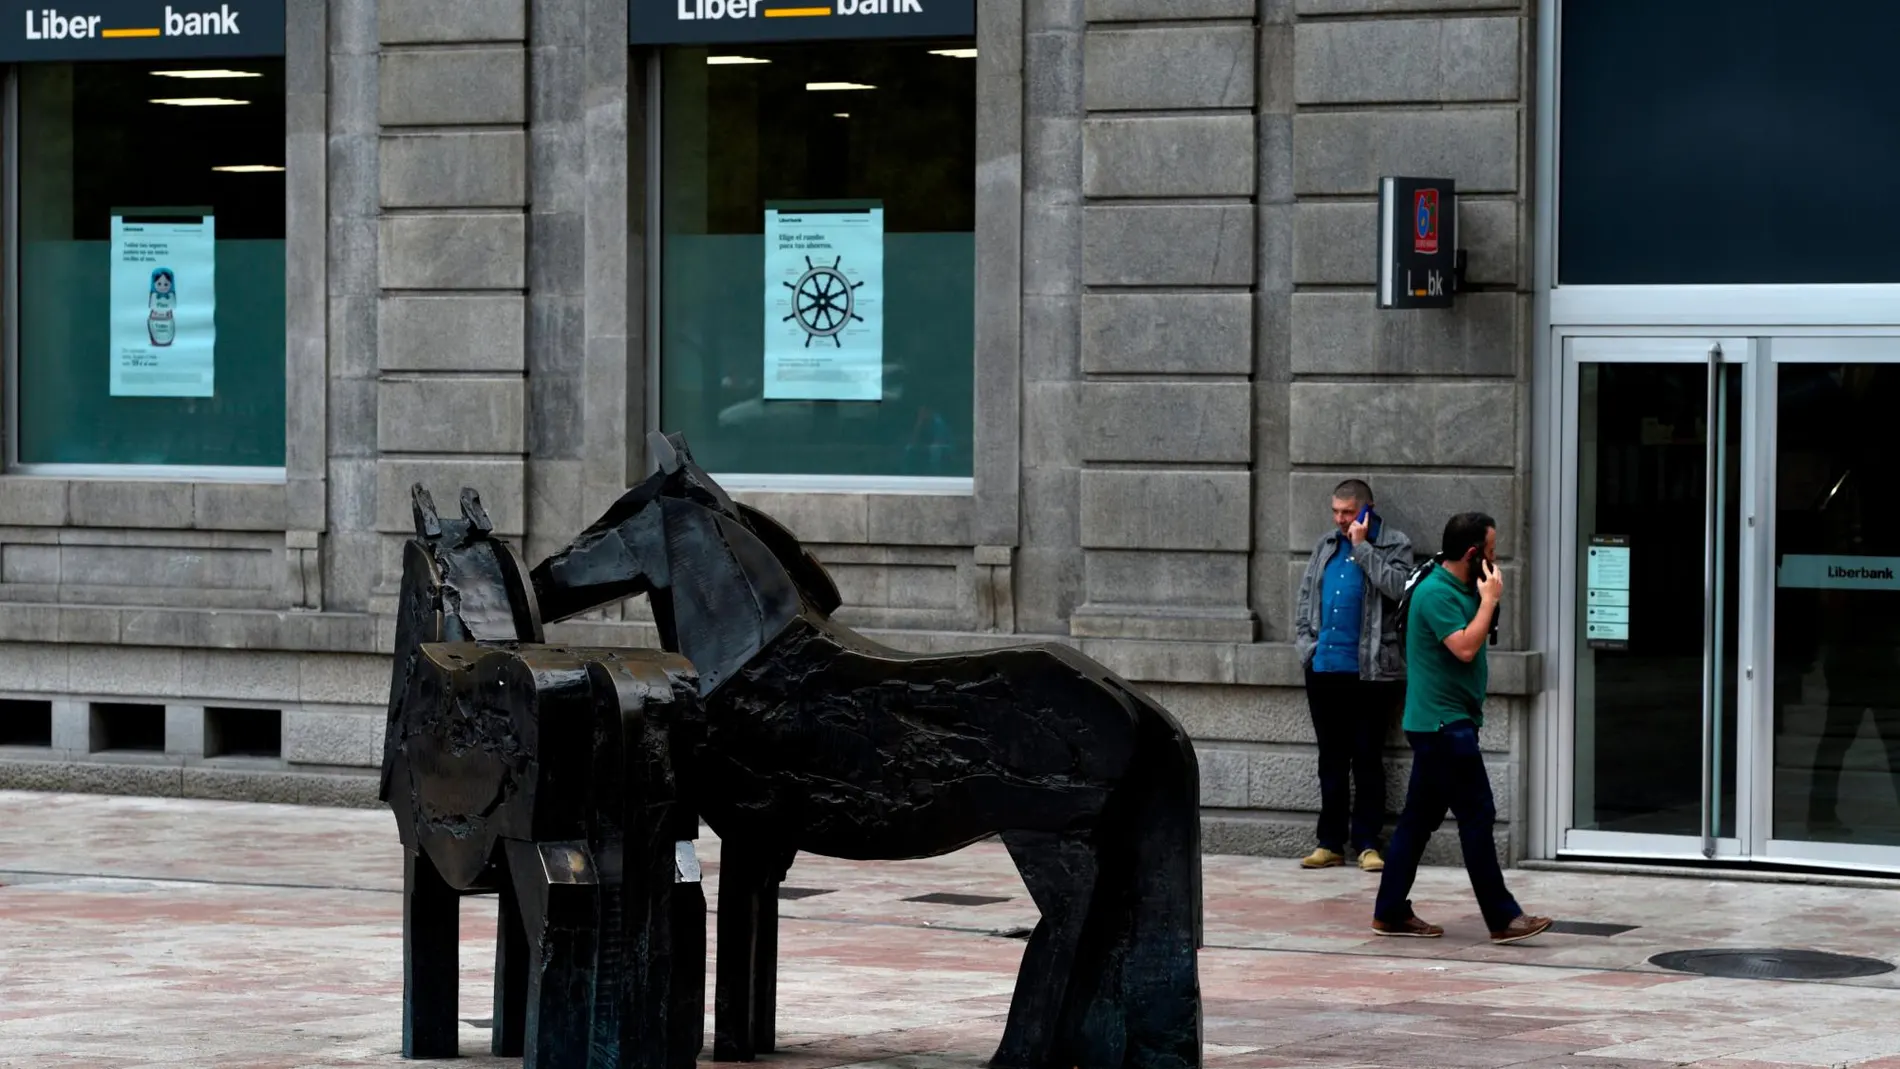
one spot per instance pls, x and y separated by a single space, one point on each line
1370 861
1322 858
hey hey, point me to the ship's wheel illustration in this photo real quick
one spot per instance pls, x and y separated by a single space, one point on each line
824 302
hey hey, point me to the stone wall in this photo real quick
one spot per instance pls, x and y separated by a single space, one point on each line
1177 357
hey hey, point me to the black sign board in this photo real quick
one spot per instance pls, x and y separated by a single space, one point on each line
732 22
1418 242
53 31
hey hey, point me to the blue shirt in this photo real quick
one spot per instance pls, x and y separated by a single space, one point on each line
1341 610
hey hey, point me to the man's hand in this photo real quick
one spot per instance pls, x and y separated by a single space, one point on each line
1491 585
1357 532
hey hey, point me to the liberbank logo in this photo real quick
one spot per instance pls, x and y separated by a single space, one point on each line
39 31
50 24
674 22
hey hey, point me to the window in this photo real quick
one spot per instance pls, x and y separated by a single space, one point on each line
1740 142
847 347
136 182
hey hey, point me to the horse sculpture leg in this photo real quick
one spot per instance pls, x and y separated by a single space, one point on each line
430 941
511 976
743 889
556 886
1061 873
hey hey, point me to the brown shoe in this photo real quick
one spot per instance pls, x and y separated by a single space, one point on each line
1323 858
1522 927
1409 928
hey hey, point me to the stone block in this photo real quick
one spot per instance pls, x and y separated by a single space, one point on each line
1166 509
1168 67
1384 61
1417 424
72 726
238 506
185 730
1149 577
920 519
471 169
1346 334
333 737
458 415
89 624
815 518
1132 10
1390 7
1237 714
1223 776
339 790
149 780
241 675
1167 422
1334 243
1164 662
1167 245
500 483
1348 152
402 22
131 504
1051 427
1417 504
453 86
482 251
1167 333
1052 75
343 679
1174 156
28 501
1163 623
485 333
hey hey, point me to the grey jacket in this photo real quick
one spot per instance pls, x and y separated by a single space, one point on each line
1386 558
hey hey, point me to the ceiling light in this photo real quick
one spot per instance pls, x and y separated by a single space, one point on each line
207 74
955 53
826 87
841 115
733 61
199 102
250 168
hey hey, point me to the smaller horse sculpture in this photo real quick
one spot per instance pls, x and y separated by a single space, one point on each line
820 740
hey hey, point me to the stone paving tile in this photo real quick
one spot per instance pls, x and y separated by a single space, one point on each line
143 932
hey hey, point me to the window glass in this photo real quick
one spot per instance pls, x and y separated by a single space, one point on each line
846 142
1728 141
100 141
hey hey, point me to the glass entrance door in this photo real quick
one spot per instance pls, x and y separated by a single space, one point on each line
1831 767
1656 489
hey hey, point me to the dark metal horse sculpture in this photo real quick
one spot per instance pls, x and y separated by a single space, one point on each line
820 740
546 775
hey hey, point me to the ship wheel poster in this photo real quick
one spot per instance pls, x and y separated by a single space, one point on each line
824 303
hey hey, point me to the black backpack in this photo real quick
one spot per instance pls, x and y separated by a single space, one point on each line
1404 611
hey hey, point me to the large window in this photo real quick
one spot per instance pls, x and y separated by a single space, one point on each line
151 264
843 345
1728 141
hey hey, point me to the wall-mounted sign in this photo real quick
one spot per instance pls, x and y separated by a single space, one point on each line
1606 594
164 304
1838 573
824 303
61 30
1418 242
701 22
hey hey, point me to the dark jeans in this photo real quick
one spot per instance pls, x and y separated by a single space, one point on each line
1350 717
1447 772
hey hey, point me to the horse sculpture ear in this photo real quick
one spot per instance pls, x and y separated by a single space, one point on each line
428 524
665 458
473 512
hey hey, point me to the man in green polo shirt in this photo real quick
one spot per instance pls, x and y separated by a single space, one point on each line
1447 625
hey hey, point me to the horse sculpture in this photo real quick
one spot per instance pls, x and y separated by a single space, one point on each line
546 775
817 739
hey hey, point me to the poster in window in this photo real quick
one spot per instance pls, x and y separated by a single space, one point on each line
164 309
824 303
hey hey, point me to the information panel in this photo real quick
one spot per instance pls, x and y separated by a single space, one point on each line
38 31
824 303
1839 573
164 304
696 22
1606 607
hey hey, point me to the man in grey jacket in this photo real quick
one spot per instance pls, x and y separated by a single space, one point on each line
1347 634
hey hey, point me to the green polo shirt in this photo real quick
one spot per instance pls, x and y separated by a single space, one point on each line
1440 688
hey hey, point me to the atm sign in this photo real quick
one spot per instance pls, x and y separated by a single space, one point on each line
1425 222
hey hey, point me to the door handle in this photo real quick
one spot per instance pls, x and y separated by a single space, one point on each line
1711 533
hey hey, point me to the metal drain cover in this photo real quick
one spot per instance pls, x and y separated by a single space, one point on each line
793 894
947 898
1770 964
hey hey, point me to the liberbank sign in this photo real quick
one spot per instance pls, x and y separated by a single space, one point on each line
50 31
705 22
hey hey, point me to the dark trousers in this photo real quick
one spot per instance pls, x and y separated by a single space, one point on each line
1350 717
1447 773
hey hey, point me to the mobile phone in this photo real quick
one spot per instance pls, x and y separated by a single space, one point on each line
1364 512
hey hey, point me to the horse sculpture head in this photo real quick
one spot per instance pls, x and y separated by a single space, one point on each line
722 578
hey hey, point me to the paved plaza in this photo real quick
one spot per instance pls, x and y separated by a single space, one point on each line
146 933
